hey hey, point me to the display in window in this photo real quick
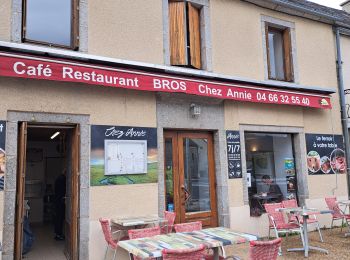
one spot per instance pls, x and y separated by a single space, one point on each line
325 154
271 167
2 154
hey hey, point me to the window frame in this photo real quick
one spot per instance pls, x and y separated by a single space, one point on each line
74 41
205 36
282 25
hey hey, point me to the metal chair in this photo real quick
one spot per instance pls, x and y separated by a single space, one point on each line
197 253
141 233
337 214
264 250
278 223
170 217
294 219
108 235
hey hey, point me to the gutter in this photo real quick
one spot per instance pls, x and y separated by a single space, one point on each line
79 56
344 119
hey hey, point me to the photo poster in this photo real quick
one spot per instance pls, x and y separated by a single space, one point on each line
2 153
325 154
233 154
125 134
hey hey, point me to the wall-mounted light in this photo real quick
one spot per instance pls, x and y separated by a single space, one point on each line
254 148
54 135
195 110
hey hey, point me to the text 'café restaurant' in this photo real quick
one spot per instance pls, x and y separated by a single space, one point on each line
137 139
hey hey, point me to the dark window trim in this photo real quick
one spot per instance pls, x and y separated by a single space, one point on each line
74 45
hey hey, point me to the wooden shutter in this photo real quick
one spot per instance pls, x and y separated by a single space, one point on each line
268 49
177 31
288 62
21 170
195 36
75 25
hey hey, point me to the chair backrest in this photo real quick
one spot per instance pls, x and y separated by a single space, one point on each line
144 232
291 204
197 253
107 232
264 250
276 215
333 205
170 217
188 227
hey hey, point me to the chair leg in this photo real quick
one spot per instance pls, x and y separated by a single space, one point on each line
115 253
302 236
280 248
342 223
269 233
106 253
332 223
319 232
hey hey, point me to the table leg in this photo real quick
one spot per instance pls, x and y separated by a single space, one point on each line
306 237
216 253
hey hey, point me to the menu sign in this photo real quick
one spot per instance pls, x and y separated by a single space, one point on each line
325 154
234 154
2 153
21 66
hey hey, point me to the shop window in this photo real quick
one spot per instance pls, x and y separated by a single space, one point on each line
279 53
185 34
51 22
270 169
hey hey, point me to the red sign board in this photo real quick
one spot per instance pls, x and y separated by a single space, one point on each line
20 66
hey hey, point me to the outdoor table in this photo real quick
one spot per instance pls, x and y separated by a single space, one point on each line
126 223
211 238
345 203
305 213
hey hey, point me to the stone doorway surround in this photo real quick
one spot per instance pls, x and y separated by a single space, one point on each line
173 112
299 149
13 117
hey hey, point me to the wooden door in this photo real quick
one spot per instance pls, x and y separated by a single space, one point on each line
21 170
72 198
190 176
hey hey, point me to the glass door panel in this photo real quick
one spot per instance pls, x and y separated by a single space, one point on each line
196 175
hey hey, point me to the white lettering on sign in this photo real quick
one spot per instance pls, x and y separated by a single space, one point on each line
169 84
120 133
21 68
205 89
239 94
69 73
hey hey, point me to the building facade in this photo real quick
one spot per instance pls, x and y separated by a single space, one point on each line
184 105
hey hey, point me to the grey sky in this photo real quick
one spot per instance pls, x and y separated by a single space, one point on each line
330 3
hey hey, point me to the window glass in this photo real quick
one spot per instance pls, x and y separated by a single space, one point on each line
169 180
49 21
270 166
275 41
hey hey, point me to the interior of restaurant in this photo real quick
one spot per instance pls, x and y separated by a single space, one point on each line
45 164
271 175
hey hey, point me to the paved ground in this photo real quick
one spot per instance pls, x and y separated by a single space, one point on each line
334 241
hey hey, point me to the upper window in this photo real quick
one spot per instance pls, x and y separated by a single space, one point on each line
51 22
279 53
185 35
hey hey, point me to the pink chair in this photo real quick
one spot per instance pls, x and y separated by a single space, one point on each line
197 253
143 232
111 242
337 214
170 217
312 220
279 224
264 250
188 227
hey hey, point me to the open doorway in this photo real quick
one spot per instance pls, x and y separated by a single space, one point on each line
47 192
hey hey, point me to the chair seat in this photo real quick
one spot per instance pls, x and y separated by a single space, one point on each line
309 221
287 226
346 216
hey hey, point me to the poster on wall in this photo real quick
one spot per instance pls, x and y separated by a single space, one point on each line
325 154
234 154
2 153
123 155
